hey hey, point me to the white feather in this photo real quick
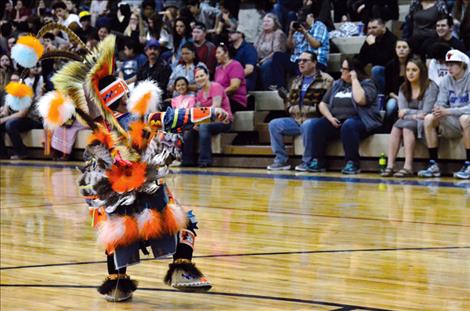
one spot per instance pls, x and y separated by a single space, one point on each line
24 55
142 89
66 110
18 103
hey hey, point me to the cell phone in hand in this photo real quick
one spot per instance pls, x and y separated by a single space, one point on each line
296 25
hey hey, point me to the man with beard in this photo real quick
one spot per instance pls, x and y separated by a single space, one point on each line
156 68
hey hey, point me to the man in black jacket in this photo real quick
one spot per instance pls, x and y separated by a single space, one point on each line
378 50
156 68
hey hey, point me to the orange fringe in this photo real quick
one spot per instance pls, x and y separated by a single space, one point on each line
152 228
136 134
32 42
130 235
170 222
142 104
127 177
103 136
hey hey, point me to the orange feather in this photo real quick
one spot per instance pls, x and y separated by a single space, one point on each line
151 227
54 113
142 105
137 134
19 89
124 178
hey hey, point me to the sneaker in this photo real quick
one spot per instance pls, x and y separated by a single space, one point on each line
315 167
431 171
464 172
278 166
302 167
185 276
350 168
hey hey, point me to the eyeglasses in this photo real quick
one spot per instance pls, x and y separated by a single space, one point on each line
304 60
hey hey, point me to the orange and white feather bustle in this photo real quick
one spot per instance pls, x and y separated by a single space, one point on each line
27 51
55 109
144 98
174 217
117 231
19 95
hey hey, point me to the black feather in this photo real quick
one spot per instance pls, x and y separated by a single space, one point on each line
125 284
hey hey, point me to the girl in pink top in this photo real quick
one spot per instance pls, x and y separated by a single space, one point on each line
184 100
231 76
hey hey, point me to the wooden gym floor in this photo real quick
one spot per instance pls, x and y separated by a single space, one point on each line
267 242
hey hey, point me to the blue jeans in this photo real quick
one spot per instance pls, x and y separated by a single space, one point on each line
266 74
351 132
14 128
280 67
288 127
285 16
391 114
205 133
378 76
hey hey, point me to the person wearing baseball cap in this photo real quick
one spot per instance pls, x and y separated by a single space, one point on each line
246 54
451 114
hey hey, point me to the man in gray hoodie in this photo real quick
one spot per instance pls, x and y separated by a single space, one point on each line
451 114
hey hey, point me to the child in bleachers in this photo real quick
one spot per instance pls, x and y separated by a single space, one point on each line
184 99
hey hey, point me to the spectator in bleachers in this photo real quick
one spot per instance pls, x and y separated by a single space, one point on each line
250 18
384 9
461 15
305 94
181 35
205 50
394 77
204 13
246 55
349 112
459 11
270 40
20 12
225 24
120 16
230 74
65 17
451 114
15 123
135 30
98 8
103 32
377 50
157 30
286 11
185 99
210 94
132 62
307 34
444 28
323 11
437 68
35 80
156 68
6 65
420 22
416 99
185 68
87 29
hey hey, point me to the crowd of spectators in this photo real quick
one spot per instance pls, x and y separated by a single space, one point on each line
209 52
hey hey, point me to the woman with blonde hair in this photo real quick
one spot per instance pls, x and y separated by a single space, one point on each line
271 39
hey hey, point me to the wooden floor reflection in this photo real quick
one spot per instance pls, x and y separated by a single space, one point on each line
267 242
